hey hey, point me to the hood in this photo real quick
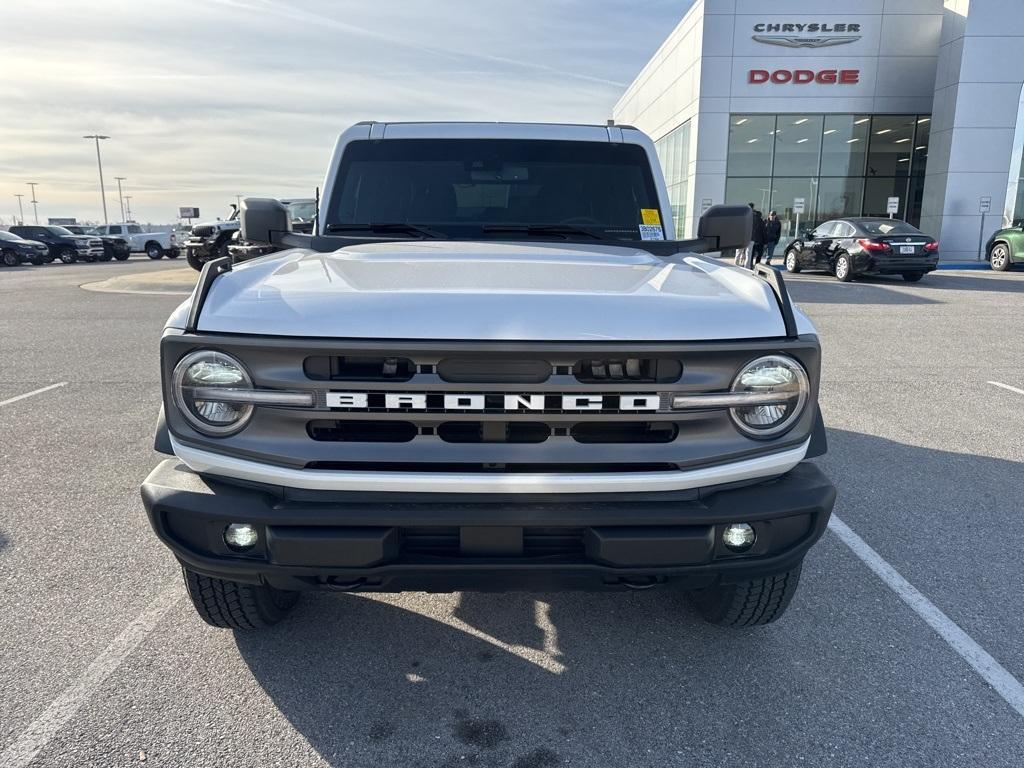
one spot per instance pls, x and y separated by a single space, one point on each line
28 243
490 291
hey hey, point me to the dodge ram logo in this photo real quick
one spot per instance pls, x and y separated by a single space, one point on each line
491 402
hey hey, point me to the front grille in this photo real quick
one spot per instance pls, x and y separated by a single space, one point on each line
480 407
202 231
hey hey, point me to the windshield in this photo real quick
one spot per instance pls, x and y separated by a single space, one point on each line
889 227
59 231
472 188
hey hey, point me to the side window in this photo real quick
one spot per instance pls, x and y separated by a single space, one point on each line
134 229
114 230
825 230
842 230
39 233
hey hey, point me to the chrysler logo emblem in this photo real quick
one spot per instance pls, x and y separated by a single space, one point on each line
793 35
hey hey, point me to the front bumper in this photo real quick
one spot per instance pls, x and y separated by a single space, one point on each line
375 542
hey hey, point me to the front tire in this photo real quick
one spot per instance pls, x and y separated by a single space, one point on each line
791 262
67 255
912 277
748 603
999 258
234 605
105 257
843 268
11 259
122 256
194 261
154 251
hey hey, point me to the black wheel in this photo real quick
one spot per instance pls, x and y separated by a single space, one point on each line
11 259
36 260
749 603
193 261
843 268
1000 258
912 277
792 265
122 256
154 251
67 255
107 256
233 605
172 254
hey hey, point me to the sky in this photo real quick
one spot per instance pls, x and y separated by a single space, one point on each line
208 99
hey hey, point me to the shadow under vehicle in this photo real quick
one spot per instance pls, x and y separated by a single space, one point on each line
864 246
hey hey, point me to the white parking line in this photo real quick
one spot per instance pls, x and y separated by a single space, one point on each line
993 383
33 393
994 673
39 733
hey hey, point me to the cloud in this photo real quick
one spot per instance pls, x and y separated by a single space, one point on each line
206 100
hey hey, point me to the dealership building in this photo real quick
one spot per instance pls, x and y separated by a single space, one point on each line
830 108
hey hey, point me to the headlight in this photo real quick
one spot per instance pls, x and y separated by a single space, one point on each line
195 376
775 375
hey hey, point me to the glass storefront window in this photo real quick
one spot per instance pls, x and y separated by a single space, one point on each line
839 197
844 145
751 139
842 165
877 193
891 145
674 154
784 192
754 190
797 145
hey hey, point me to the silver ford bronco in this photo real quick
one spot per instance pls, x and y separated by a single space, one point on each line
490 366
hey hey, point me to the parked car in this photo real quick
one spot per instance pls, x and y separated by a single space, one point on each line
156 245
1006 247
302 213
62 244
113 247
852 247
14 250
209 240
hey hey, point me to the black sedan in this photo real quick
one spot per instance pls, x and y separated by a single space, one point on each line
14 250
864 246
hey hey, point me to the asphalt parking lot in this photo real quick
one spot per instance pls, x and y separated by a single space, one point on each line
105 663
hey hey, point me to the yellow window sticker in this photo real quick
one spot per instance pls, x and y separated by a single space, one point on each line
650 216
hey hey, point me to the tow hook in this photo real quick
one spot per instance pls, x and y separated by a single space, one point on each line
344 586
639 582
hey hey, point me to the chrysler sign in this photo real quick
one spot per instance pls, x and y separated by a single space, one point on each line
806 35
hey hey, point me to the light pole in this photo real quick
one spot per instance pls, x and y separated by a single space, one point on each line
120 196
21 211
35 210
128 206
99 162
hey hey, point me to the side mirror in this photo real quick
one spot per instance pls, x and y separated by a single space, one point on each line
262 216
730 225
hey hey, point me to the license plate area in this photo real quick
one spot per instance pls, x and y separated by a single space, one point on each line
908 249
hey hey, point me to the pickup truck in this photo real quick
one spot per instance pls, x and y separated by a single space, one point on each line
156 245
488 368
62 243
114 246
209 240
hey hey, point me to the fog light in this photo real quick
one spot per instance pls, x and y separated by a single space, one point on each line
738 537
242 536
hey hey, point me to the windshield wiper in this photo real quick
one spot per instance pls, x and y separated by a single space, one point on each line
543 229
399 227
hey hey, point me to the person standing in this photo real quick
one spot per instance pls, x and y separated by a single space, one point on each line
772 234
758 236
